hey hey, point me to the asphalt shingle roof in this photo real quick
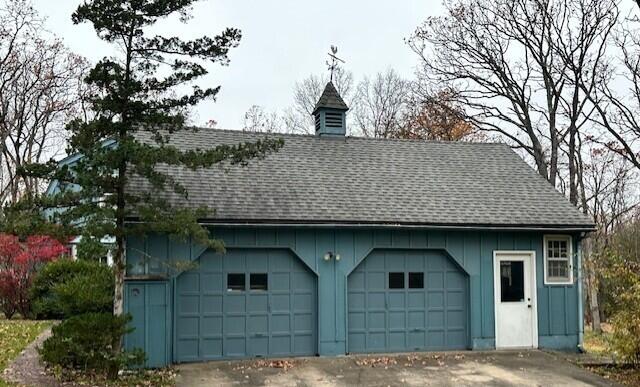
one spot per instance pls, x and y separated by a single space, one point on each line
352 180
331 99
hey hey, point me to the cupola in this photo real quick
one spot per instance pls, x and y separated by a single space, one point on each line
330 113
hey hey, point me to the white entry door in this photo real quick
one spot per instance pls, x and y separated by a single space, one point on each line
515 299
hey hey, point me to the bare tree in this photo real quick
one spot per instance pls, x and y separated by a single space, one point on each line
617 100
40 84
517 65
306 93
380 105
257 119
611 194
377 105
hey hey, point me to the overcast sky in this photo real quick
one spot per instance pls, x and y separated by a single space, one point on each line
283 41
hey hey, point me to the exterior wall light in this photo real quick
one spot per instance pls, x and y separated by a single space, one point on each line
328 255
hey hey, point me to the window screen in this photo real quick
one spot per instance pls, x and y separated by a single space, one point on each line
235 282
416 280
258 281
558 270
396 280
511 281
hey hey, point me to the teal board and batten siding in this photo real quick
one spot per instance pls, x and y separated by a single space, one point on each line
148 303
558 323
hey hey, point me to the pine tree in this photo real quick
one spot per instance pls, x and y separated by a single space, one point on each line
131 98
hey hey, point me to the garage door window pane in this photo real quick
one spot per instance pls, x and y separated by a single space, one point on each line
396 280
235 282
258 281
511 281
416 280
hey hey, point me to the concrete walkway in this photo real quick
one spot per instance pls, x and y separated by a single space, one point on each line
497 368
27 370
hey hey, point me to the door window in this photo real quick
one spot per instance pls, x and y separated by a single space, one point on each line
416 280
258 281
511 281
396 280
235 282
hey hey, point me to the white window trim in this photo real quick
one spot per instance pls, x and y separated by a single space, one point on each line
569 241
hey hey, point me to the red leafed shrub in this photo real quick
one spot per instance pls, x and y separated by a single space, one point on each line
19 261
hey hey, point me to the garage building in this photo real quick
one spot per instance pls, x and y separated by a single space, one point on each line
338 245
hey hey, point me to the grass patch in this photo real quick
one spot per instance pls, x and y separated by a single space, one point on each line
15 335
600 345
597 344
161 378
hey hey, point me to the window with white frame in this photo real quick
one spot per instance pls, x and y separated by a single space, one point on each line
558 260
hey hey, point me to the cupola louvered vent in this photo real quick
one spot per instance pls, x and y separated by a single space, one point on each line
333 119
330 113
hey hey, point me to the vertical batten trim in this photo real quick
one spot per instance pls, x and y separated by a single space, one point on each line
566 310
580 295
480 258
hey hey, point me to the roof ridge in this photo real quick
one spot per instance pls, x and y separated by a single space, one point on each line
381 139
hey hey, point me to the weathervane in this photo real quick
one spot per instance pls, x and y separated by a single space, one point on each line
333 63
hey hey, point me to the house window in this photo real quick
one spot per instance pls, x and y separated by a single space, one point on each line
396 280
258 281
416 280
558 267
235 282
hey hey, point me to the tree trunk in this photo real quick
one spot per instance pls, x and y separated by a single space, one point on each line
581 188
538 155
119 263
594 308
119 255
118 302
573 187
119 271
553 159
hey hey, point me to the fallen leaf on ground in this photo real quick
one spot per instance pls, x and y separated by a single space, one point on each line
376 361
284 364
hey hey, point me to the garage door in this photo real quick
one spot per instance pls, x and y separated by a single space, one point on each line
246 303
407 301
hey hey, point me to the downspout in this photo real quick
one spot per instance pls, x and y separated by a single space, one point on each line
580 296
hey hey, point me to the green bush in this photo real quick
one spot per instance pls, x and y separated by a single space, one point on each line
625 339
621 274
87 342
91 249
66 288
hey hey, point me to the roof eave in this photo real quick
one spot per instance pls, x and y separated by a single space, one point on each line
395 225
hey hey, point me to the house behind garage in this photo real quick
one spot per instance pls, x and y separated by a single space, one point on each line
341 245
